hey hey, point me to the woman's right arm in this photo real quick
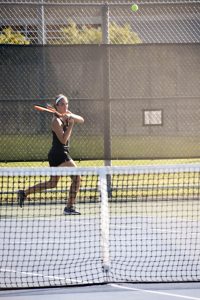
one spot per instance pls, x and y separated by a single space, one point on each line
76 118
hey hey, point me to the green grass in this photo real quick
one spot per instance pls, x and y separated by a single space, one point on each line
96 163
35 147
161 184
131 187
160 195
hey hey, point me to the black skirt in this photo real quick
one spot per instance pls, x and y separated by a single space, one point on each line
56 158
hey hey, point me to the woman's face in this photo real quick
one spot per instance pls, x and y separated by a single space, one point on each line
62 105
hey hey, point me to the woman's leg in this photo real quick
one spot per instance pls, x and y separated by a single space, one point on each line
75 184
51 183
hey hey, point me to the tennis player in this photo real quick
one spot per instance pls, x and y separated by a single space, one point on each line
58 155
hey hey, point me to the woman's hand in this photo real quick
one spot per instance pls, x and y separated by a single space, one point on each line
70 121
67 117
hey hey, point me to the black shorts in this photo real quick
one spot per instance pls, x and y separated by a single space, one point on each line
56 158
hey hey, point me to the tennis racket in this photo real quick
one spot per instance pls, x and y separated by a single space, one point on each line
47 108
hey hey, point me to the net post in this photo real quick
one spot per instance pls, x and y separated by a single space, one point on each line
104 221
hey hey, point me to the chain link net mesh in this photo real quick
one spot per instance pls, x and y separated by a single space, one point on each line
139 101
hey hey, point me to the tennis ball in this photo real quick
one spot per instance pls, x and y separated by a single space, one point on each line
134 7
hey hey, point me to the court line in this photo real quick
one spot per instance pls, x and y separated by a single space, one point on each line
154 292
40 275
145 229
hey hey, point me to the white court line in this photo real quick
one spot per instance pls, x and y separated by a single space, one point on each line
154 292
57 219
149 229
144 228
41 275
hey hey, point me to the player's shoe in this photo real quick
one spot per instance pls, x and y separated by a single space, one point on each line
71 211
21 196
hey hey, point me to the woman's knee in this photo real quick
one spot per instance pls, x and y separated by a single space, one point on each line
76 180
54 181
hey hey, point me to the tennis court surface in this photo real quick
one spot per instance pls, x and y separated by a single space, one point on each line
165 291
138 225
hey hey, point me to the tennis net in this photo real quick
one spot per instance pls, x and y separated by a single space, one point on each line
136 224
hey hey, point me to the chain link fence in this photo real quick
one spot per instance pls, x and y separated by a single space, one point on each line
139 101
64 22
135 104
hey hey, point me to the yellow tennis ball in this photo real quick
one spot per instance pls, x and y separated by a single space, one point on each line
134 7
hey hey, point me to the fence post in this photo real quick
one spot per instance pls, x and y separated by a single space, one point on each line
41 25
106 93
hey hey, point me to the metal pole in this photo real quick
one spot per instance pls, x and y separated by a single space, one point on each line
41 25
106 87
42 41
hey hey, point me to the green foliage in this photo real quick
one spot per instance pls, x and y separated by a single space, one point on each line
123 35
73 35
9 36
90 35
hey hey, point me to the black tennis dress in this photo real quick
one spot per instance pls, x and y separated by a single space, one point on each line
59 152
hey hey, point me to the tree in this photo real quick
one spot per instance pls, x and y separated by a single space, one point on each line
9 36
90 35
